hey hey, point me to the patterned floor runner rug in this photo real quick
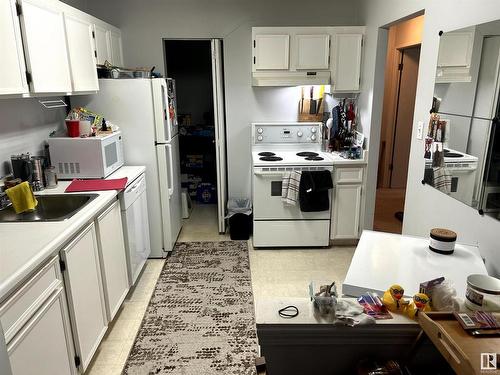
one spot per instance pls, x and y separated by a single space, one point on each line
200 320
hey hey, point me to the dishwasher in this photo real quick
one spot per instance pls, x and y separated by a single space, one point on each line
134 208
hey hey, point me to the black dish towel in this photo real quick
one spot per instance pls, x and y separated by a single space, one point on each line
313 191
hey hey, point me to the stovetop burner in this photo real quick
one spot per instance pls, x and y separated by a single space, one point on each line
314 158
267 154
308 154
270 158
450 154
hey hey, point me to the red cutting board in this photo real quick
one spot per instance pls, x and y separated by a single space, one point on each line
95 185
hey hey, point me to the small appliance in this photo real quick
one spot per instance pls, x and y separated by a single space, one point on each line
278 148
90 157
22 167
38 163
134 208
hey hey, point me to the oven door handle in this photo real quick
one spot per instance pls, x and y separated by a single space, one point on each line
278 173
269 173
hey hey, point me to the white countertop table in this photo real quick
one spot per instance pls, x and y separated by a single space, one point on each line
383 259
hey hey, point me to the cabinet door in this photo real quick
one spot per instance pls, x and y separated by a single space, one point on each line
112 258
12 68
45 46
116 48
346 211
81 53
312 51
347 62
271 52
102 44
455 49
85 295
44 346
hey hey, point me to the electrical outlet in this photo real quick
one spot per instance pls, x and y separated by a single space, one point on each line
420 130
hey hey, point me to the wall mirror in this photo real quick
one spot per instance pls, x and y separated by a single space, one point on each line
462 144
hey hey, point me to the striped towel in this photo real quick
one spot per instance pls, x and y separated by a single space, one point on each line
442 179
290 187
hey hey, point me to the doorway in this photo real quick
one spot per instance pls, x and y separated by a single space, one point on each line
401 75
196 67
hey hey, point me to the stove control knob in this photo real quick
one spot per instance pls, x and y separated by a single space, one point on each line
313 137
313 130
260 130
299 134
260 138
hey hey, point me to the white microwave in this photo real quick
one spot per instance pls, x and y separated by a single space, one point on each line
90 157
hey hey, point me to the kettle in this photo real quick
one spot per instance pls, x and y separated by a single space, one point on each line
22 167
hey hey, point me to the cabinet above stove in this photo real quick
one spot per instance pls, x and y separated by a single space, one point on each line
293 56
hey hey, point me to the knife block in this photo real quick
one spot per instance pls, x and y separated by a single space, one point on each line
304 109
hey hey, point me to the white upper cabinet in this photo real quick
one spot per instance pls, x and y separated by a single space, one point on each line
108 44
294 56
51 48
45 46
271 52
116 48
312 52
81 50
455 56
12 67
102 44
347 62
455 49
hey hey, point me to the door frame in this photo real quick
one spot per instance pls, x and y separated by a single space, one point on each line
219 108
389 168
392 76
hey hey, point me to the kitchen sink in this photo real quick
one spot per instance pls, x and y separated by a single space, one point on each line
51 207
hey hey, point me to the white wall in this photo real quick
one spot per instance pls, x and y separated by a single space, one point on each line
24 126
144 25
425 207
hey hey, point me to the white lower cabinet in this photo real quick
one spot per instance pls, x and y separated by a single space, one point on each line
112 258
35 326
82 277
346 206
43 346
346 210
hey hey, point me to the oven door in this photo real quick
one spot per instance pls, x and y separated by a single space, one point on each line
267 203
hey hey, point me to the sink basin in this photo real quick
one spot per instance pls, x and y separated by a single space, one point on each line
56 207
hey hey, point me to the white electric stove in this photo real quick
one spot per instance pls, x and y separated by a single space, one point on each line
278 148
462 168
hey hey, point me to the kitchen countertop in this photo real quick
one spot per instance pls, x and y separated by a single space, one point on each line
266 312
338 160
26 246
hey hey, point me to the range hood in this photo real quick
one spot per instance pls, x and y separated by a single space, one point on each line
288 78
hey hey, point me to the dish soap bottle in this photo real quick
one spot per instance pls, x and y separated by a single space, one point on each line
104 126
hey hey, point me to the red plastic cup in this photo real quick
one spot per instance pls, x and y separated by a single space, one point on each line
73 128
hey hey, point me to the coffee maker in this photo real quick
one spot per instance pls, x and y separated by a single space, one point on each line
22 167
29 168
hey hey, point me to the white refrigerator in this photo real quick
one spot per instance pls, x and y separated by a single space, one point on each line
145 110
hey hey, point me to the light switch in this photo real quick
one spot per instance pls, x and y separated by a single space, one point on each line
420 130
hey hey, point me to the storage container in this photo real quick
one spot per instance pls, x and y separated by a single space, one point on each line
483 293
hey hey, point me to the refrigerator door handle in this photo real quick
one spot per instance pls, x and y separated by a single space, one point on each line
166 110
171 171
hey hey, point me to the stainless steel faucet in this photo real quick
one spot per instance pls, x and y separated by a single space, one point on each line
4 199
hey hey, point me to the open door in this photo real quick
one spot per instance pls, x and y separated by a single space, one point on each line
220 132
